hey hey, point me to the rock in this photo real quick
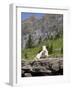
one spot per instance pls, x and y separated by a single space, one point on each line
61 64
27 68
55 66
50 66
39 69
28 75
36 63
22 73
24 63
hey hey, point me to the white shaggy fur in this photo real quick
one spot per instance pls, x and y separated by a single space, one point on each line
39 55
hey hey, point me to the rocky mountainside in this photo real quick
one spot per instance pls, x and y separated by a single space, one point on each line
47 26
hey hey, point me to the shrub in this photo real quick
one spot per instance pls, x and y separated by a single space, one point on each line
25 55
50 50
62 50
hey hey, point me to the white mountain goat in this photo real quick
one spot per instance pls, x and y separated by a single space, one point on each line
42 54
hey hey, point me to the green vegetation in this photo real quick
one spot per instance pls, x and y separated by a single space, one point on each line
29 42
54 46
50 49
62 50
40 40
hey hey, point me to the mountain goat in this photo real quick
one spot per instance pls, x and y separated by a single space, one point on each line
42 54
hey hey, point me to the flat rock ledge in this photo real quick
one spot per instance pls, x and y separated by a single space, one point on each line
42 67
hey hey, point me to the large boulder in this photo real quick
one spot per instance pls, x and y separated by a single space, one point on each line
50 66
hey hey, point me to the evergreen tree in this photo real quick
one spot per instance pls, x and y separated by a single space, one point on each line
62 50
47 47
57 35
50 49
51 37
40 40
29 42
25 55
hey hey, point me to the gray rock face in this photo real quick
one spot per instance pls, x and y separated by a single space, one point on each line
52 66
46 27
